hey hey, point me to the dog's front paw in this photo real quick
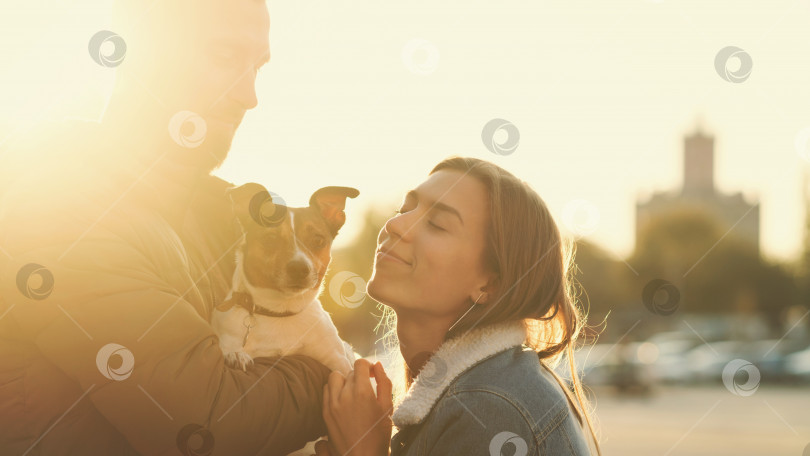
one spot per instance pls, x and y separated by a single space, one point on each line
238 359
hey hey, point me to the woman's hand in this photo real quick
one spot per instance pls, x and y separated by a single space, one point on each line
359 424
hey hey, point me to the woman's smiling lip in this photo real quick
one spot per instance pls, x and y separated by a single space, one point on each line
390 255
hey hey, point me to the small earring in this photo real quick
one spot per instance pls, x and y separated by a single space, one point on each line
465 313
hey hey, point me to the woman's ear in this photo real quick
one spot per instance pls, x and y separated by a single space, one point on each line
485 293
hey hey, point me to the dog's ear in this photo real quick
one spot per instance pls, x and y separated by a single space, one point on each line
330 202
252 204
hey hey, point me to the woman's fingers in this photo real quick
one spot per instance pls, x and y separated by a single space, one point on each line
347 394
384 387
361 379
328 418
352 413
335 384
327 415
331 416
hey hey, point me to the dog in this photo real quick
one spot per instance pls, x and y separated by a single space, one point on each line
272 308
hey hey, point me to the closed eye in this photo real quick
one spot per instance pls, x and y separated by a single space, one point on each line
435 226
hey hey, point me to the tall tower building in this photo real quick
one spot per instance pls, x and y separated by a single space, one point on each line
698 165
698 191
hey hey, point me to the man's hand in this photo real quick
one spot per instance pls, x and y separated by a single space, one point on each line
359 423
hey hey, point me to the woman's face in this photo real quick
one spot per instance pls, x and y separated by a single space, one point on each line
439 237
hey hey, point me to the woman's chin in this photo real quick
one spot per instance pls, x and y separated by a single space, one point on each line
381 290
373 288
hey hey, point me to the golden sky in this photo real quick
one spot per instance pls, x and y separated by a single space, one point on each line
373 94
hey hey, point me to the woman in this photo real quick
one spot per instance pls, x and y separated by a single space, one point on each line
474 268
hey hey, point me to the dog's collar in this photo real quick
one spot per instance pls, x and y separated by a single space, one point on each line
245 300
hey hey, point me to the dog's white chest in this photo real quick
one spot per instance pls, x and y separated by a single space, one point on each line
309 332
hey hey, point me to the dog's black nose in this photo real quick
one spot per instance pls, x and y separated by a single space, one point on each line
297 270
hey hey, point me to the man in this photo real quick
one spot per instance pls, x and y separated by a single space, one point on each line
116 244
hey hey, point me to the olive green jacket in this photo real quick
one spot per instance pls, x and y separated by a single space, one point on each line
109 270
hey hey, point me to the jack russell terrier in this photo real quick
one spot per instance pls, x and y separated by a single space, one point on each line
273 307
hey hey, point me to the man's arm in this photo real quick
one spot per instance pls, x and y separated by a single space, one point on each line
131 288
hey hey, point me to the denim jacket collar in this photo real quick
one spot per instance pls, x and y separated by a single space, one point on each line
451 360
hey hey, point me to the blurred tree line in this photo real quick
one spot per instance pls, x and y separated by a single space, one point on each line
713 271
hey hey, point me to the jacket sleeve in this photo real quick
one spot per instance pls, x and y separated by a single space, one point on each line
108 299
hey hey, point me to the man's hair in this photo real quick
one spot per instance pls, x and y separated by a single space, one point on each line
126 12
150 25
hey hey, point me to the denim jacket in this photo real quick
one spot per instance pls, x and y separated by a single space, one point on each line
485 393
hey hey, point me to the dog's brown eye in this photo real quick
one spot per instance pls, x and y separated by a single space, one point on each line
319 242
268 237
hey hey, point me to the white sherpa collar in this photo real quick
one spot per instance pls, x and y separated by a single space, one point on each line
451 360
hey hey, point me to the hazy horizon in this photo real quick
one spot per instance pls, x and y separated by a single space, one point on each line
602 95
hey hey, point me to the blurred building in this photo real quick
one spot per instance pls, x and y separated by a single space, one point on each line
698 191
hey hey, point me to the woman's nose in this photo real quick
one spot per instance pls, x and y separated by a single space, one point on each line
397 226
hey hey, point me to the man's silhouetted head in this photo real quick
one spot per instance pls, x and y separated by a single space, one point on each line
188 75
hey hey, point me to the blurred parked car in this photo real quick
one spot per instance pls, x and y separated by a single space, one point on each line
797 365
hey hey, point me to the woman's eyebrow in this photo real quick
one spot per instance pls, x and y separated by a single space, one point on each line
436 205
